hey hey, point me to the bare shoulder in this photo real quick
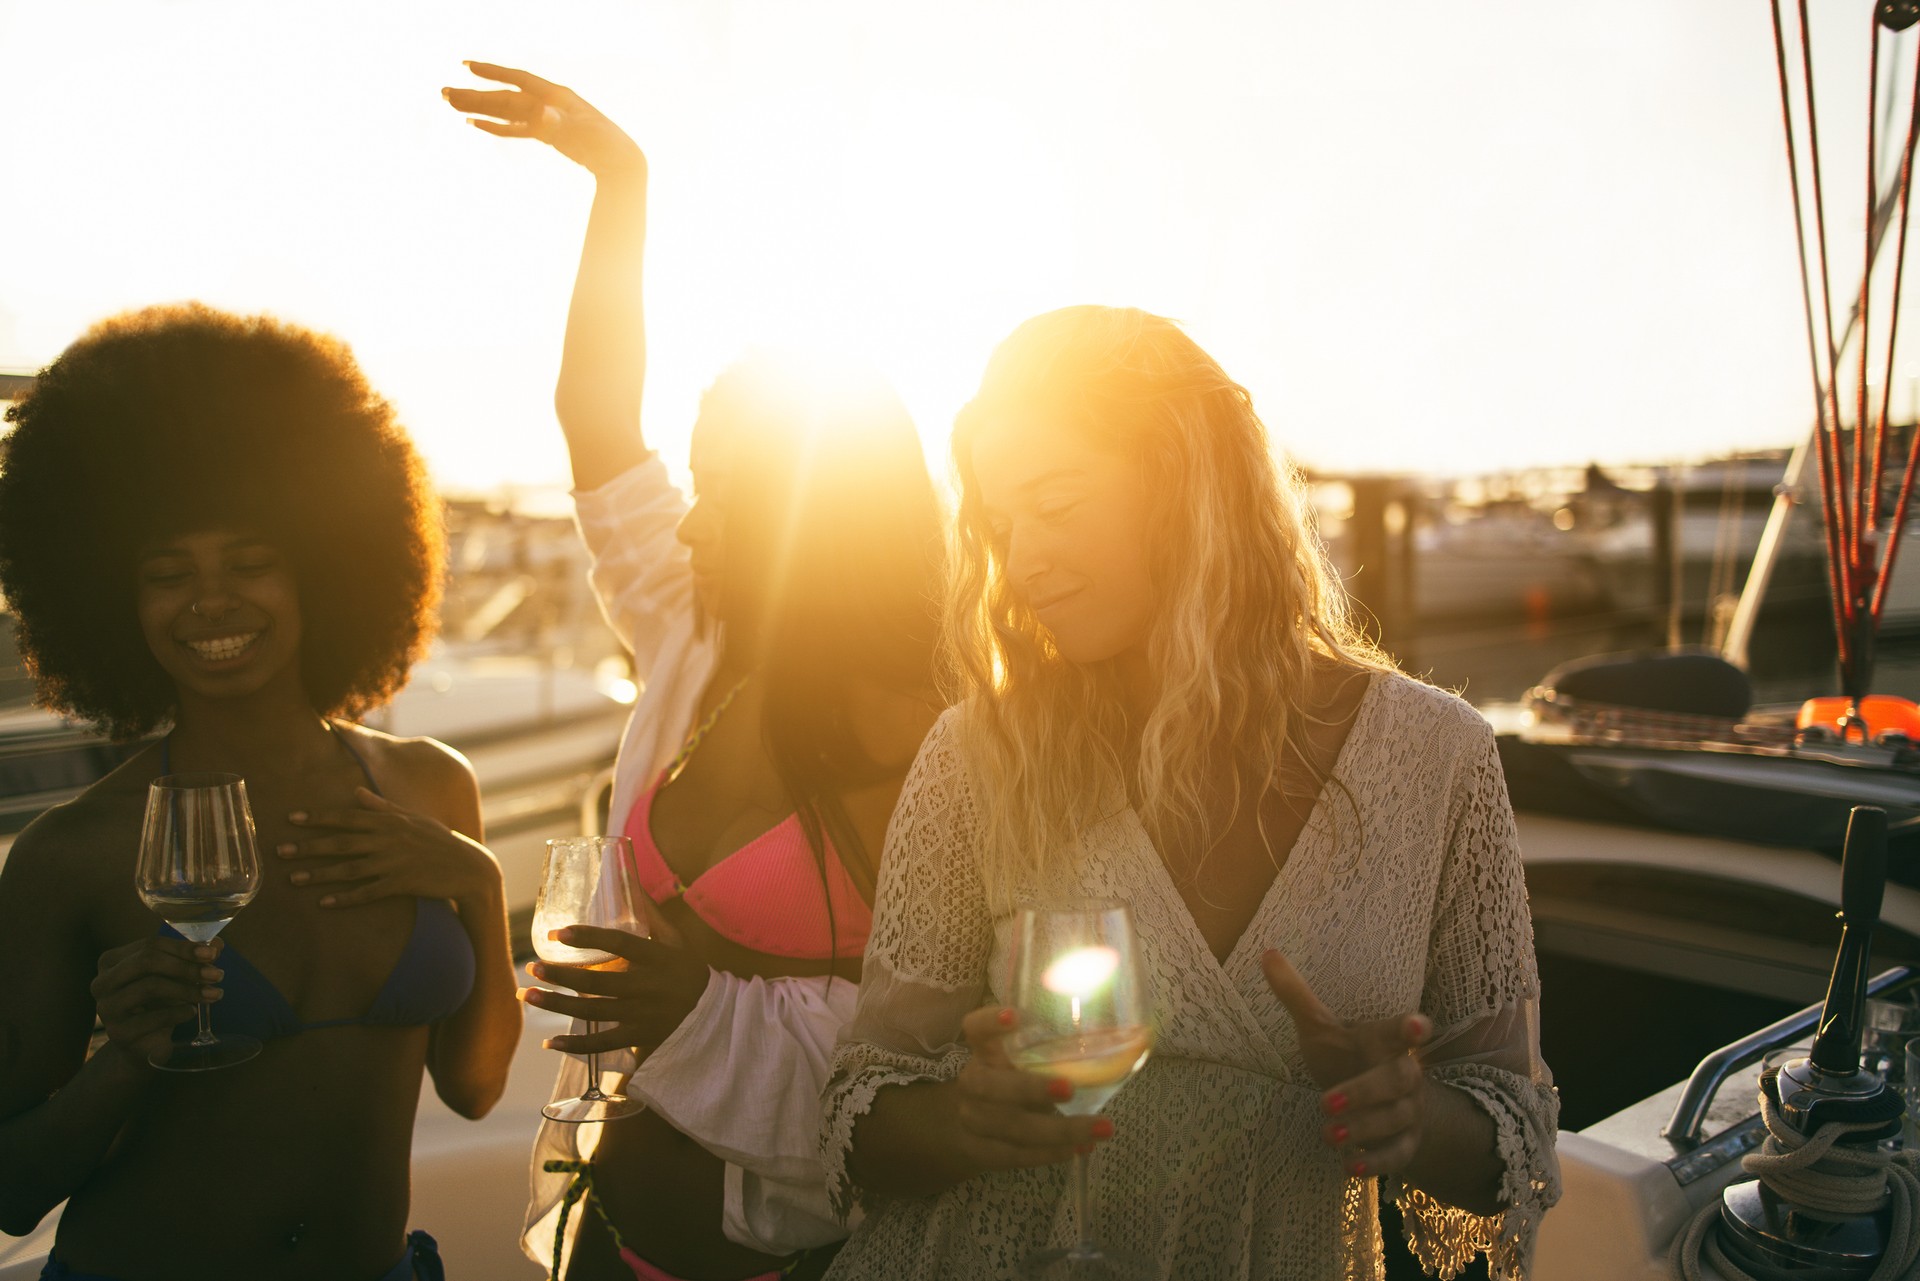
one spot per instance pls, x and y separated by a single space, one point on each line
892 724
420 773
75 849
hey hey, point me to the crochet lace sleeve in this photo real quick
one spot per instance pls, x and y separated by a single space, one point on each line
925 966
1483 994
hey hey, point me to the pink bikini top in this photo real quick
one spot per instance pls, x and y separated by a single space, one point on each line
766 895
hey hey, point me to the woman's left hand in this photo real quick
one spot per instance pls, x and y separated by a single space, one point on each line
1375 1087
644 1002
381 849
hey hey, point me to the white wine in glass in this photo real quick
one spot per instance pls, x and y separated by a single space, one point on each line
1083 1014
587 880
198 867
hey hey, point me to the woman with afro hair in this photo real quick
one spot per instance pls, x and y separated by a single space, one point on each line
211 525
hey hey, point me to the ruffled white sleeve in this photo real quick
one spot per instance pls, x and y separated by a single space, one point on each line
925 967
1483 994
638 569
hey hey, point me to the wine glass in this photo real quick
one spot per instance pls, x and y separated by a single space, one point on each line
197 868
587 880
1083 1015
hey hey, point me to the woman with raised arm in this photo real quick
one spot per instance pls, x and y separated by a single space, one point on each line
1163 701
783 626
211 524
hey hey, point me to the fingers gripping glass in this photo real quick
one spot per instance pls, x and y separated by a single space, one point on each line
587 880
1083 1015
197 868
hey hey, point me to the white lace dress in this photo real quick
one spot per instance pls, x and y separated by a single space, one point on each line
1403 892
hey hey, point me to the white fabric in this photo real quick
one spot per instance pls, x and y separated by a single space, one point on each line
1404 891
776 1199
742 1074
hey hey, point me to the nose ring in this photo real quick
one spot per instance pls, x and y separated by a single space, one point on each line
194 609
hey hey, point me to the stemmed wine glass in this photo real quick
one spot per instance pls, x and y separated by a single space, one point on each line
587 880
197 868
1083 1015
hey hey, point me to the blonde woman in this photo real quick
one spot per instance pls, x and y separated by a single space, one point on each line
1163 700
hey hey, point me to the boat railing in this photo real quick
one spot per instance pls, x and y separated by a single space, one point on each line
1690 1112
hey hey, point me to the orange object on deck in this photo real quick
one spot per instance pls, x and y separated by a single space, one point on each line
1883 713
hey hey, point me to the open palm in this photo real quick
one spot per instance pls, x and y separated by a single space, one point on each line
549 113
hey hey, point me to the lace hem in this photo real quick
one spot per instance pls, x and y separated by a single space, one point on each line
1361 1250
1445 1238
848 1098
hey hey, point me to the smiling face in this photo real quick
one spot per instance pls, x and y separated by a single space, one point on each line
221 612
1069 522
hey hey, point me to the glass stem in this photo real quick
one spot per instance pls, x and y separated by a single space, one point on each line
1086 1247
205 1036
593 1070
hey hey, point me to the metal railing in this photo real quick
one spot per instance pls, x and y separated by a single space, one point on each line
1682 1129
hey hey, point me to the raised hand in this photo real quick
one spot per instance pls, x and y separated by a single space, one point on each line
644 1002
549 113
1375 1089
1008 1118
380 849
147 988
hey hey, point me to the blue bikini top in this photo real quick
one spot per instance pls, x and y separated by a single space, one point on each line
431 980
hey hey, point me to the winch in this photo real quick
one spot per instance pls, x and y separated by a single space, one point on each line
1829 1201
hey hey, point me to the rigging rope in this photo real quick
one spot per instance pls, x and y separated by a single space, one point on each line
1815 1173
1823 382
1860 552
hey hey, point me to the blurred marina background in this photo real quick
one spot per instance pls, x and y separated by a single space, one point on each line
1514 284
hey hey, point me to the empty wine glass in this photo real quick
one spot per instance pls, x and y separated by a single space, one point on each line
197 868
587 880
1083 1015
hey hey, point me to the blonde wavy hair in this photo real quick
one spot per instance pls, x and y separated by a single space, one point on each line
1247 601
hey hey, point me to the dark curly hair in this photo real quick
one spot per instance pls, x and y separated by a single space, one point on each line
176 418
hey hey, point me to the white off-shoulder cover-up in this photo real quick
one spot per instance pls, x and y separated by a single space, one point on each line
742 1073
1403 892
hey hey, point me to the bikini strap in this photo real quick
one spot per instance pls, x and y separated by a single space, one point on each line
358 759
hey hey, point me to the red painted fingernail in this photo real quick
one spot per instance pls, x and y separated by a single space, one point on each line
1359 1167
1084 1149
1006 1018
1060 1088
1335 1103
1102 1128
1339 1133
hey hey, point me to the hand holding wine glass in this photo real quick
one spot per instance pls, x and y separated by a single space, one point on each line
587 880
1083 1015
197 868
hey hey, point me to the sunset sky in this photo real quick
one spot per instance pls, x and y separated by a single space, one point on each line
1427 236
